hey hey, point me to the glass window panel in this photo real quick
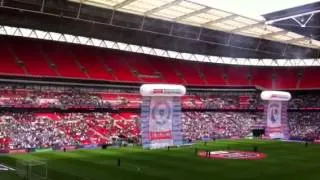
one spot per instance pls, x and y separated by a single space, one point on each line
245 20
294 35
180 9
218 13
208 16
197 20
190 5
281 37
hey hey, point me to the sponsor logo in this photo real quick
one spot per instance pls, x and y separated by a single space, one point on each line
160 135
44 150
317 141
18 151
278 96
242 155
68 148
166 91
161 112
4 151
90 146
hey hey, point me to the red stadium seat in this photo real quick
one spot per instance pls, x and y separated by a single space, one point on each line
66 64
40 58
237 75
286 78
189 71
164 66
95 67
121 70
33 60
8 62
262 77
310 78
213 74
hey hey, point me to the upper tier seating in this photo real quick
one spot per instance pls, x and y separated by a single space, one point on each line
237 75
94 65
42 58
168 72
33 60
64 61
286 78
117 63
262 77
310 78
189 71
213 74
9 64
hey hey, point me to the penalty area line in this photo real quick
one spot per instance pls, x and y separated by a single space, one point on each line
5 168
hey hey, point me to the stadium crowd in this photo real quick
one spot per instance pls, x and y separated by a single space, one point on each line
68 97
35 130
304 125
41 130
219 124
305 100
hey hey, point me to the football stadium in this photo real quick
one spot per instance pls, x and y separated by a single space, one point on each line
159 89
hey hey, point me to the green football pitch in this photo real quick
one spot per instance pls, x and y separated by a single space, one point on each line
285 161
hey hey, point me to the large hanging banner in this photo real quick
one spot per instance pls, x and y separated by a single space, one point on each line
276 114
161 124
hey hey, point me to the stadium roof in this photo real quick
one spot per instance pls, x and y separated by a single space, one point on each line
79 23
60 37
304 20
191 13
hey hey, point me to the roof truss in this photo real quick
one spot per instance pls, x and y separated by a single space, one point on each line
190 13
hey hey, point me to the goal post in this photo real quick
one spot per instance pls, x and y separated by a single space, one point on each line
32 169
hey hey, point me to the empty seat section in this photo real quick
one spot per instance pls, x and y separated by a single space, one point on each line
119 67
262 77
94 66
164 66
65 63
310 78
147 72
286 78
189 72
213 73
35 63
151 79
8 62
237 75
140 63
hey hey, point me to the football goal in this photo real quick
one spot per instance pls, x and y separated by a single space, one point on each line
32 169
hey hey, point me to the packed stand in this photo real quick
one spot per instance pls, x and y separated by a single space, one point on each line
219 124
41 130
304 125
67 97
306 100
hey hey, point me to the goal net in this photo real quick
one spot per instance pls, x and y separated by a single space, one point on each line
32 169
